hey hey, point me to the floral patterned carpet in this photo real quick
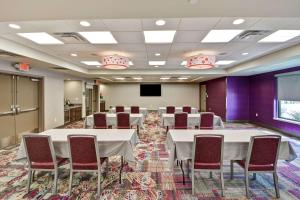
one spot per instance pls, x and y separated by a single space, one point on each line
148 178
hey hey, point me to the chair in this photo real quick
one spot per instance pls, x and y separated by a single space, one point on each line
100 121
170 110
84 157
123 120
120 109
208 156
41 157
187 109
135 109
207 121
181 121
262 156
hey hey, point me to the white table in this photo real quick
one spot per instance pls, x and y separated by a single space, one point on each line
235 144
193 120
111 120
144 111
162 110
111 142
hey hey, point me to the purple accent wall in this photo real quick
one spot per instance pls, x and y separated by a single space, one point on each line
216 101
237 98
263 97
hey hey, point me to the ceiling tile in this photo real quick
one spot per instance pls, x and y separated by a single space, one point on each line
276 23
160 48
189 36
129 36
171 24
226 23
123 24
205 23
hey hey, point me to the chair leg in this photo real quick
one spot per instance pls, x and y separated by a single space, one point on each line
33 172
210 174
120 176
275 177
99 185
247 184
29 180
254 176
193 181
231 169
70 183
183 179
188 168
222 183
55 182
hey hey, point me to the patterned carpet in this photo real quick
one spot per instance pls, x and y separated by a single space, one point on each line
148 178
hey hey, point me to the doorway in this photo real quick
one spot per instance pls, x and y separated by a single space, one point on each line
20 108
203 96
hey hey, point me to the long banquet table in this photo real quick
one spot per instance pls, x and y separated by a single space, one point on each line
111 142
180 143
111 120
144 111
162 110
193 120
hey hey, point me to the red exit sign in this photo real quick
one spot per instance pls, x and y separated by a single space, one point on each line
22 66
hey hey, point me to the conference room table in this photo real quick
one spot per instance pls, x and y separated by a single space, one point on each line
180 144
162 110
144 111
111 120
168 120
111 142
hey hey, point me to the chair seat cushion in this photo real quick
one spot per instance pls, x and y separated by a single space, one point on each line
48 165
255 167
88 166
207 166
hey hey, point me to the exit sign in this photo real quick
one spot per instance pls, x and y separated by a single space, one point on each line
22 67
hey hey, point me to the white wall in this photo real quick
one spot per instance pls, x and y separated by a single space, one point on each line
171 94
73 91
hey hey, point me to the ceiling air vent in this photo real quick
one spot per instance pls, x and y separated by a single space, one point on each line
252 33
60 68
70 38
8 54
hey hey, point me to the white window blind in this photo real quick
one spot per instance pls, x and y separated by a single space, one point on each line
288 87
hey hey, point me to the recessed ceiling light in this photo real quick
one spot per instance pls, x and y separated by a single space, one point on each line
137 78
224 62
238 21
120 78
183 62
157 62
98 66
164 78
281 36
193 1
99 37
160 22
216 36
85 23
159 36
41 38
183 78
14 26
156 66
130 63
91 62
245 53
73 54
157 54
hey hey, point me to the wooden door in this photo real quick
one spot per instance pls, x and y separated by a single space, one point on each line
203 96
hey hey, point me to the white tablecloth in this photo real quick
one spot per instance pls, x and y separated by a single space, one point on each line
111 120
193 120
162 110
235 144
144 111
111 141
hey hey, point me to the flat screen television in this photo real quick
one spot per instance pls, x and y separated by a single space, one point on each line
150 90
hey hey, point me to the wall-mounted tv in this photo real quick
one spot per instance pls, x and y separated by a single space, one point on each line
150 90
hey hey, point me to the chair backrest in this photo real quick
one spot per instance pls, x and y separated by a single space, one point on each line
120 109
187 109
123 120
135 109
207 121
39 149
181 120
263 151
170 109
208 151
84 151
100 121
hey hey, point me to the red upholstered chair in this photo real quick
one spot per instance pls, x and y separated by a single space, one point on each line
123 120
208 156
135 109
100 121
41 157
261 157
170 109
187 109
84 157
120 109
181 121
207 121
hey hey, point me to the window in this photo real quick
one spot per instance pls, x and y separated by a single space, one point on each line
288 92
289 110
